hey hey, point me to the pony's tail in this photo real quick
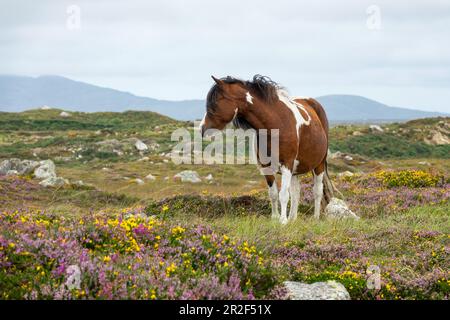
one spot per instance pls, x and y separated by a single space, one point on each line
329 189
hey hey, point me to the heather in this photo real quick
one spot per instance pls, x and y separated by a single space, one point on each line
390 192
125 255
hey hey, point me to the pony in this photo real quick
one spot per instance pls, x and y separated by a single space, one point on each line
302 126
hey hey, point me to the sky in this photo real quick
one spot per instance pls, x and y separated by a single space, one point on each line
396 52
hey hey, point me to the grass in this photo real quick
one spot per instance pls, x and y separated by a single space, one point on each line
260 229
386 146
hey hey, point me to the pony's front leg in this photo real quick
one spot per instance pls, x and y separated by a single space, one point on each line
286 176
318 193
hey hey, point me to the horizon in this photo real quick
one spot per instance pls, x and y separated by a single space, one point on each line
200 99
396 53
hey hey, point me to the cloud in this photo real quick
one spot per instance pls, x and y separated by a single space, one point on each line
168 49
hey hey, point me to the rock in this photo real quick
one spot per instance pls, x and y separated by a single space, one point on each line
438 139
150 177
188 176
45 170
375 127
330 290
54 182
65 114
345 174
140 146
209 177
118 152
425 163
335 155
154 146
357 133
12 173
17 167
79 183
338 209
110 145
348 158
144 159
165 161
139 181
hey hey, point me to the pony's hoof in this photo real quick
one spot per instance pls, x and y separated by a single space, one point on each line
275 217
283 221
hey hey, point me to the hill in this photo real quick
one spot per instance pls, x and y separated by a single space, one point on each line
23 93
342 108
19 93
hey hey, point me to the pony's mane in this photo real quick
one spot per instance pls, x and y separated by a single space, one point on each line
263 87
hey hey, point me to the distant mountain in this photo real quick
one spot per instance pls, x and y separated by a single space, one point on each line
22 93
19 93
342 108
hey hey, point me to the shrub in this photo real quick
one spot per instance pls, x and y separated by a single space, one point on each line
407 178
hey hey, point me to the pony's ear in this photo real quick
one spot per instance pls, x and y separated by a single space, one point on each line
218 81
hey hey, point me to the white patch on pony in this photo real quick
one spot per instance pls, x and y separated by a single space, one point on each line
202 123
235 114
301 98
286 176
296 163
294 107
249 97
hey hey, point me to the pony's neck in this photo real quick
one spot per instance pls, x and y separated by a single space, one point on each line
260 115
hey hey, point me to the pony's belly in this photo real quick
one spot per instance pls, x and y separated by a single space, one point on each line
311 156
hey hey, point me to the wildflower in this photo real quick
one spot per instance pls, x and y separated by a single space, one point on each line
171 269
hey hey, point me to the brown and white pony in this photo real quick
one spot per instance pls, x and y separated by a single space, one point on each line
303 134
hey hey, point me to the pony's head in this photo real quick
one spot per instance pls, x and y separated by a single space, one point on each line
229 98
223 102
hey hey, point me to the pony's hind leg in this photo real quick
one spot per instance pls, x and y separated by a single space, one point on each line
273 195
318 188
286 176
295 197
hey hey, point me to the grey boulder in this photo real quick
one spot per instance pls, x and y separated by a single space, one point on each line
17 167
188 176
330 290
338 209
45 170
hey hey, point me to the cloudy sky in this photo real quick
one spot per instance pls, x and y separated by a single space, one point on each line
397 52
